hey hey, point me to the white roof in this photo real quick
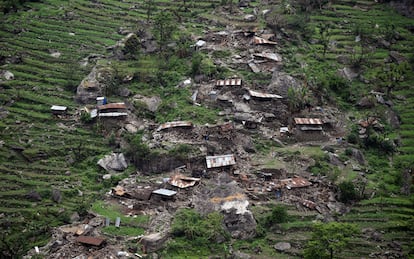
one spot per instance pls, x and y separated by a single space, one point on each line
58 108
165 192
264 95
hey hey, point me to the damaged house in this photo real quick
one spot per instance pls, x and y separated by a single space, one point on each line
112 110
307 129
220 161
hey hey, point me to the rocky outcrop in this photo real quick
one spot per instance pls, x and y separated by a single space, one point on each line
113 162
281 82
99 82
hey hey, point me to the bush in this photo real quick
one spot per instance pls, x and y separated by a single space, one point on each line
276 216
347 192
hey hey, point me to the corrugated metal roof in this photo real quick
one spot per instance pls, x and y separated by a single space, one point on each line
219 161
229 82
58 108
112 114
182 181
308 121
174 124
258 41
295 182
165 192
272 56
95 241
112 106
264 95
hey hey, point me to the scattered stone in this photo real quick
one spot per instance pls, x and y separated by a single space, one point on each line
241 255
124 92
131 128
107 176
282 246
6 75
56 196
113 162
55 54
33 196
249 18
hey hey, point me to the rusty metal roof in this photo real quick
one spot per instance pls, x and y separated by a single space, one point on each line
165 192
308 121
219 161
259 41
264 95
174 124
272 56
295 182
119 190
95 241
229 82
183 181
112 106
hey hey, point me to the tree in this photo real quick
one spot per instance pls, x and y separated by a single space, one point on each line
347 192
329 239
164 28
149 8
132 47
325 34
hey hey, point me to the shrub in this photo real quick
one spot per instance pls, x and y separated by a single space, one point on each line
277 215
347 192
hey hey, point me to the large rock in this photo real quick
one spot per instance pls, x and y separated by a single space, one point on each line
226 196
153 242
281 82
99 81
6 75
358 156
347 73
282 246
113 162
150 103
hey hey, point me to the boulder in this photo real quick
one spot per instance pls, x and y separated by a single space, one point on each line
6 75
238 220
99 81
358 156
244 3
33 196
151 103
241 255
113 162
393 118
366 102
282 246
281 82
347 73
249 18
56 196
153 242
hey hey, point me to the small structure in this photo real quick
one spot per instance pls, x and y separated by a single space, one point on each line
182 181
263 96
220 161
262 41
165 193
101 100
112 110
308 124
58 110
175 124
199 44
88 240
229 82
284 131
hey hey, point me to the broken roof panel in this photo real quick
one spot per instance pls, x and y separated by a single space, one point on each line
254 67
58 108
113 114
112 106
175 124
229 82
295 182
272 56
183 181
219 161
95 241
308 121
259 41
264 95
165 192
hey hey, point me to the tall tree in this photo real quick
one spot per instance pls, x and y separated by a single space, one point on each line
329 239
164 28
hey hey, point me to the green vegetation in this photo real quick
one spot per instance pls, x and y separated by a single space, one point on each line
329 239
196 235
